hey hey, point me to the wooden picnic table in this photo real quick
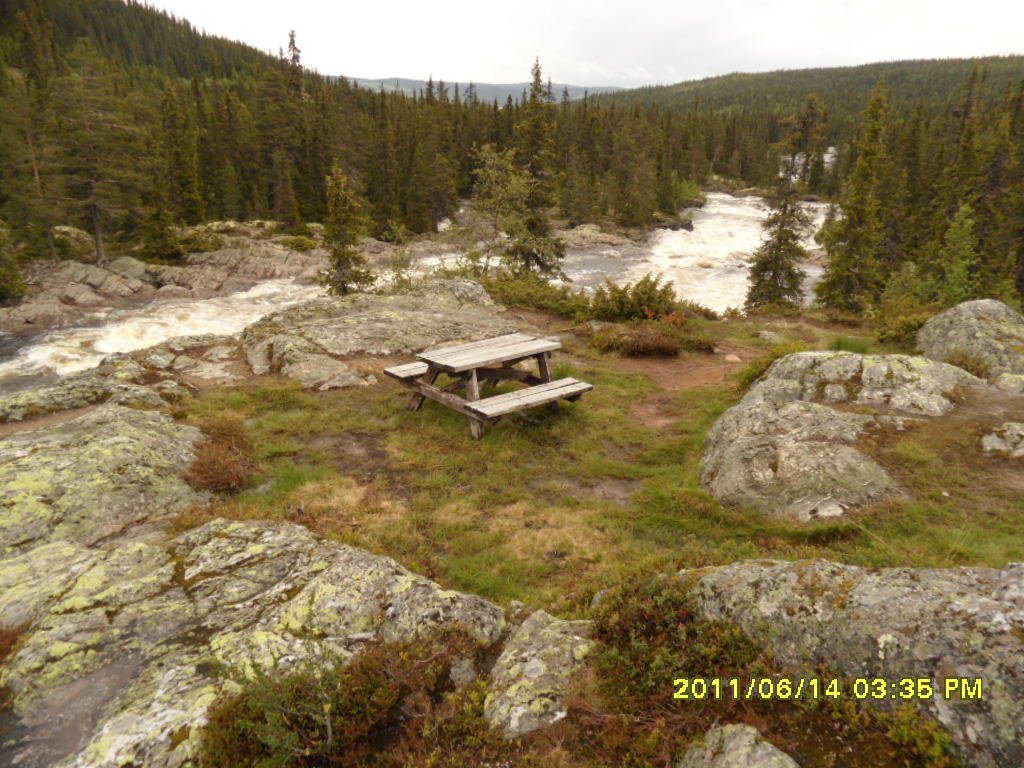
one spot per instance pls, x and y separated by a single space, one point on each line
489 361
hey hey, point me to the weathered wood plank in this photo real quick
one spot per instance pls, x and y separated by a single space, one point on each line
464 360
407 371
416 403
429 391
500 405
508 338
476 427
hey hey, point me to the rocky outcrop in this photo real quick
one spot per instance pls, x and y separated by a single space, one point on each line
118 380
305 342
106 473
986 330
65 292
787 448
892 623
588 236
530 680
1007 440
735 746
129 636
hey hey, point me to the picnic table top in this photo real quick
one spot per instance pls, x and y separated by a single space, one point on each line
477 354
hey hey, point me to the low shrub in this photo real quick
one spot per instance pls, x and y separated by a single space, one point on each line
200 241
531 290
650 634
332 711
224 461
298 242
9 637
691 308
971 362
641 340
898 319
756 368
648 298
651 338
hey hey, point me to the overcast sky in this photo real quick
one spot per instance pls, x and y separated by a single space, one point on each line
595 42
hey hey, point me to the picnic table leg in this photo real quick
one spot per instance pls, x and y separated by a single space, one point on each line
417 399
476 427
544 364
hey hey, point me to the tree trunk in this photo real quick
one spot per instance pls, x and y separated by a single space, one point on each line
51 244
97 231
1020 272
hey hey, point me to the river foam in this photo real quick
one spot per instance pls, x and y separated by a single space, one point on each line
76 349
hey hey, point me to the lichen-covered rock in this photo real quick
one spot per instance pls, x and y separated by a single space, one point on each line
1007 439
786 448
985 329
530 680
76 391
892 623
93 477
305 341
735 746
117 666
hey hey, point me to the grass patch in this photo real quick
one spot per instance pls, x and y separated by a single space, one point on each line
847 344
755 369
551 507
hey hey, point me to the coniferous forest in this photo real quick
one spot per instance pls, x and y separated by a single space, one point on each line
122 120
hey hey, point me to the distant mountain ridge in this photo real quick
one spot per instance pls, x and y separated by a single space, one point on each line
485 91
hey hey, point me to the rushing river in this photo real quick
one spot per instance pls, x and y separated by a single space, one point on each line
709 265
75 349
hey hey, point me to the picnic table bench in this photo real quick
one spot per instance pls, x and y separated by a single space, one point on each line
489 361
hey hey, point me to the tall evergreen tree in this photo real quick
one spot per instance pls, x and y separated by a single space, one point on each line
856 242
346 218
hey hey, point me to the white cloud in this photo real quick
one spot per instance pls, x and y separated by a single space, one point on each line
596 42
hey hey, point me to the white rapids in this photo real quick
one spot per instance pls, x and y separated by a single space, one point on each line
69 350
711 264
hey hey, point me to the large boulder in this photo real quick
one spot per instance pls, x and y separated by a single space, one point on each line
118 665
530 680
986 330
102 474
892 623
735 746
787 449
309 341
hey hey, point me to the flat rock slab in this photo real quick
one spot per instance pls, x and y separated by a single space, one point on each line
530 680
309 340
735 746
891 623
135 630
92 477
787 448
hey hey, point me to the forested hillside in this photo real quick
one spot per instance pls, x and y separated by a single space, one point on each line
124 121
117 114
845 91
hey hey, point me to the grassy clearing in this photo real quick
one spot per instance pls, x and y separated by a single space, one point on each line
550 507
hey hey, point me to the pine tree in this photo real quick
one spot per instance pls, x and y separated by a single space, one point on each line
775 278
342 227
856 243
959 258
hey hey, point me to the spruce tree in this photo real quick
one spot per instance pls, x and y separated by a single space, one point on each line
959 258
344 223
856 242
775 278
